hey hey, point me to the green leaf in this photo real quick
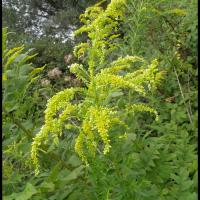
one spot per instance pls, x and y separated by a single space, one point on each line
37 70
177 11
74 174
74 161
28 192
116 94
11 51
54 172
47 186
13 57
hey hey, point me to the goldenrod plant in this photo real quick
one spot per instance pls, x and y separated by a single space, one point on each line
96 113
17 74
108 110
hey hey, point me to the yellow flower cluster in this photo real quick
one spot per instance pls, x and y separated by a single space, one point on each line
102 118
134 80
121 64
95 115
118 82
149 76
80 72
80 49
102 28
79 145
142 108
59 109
97 120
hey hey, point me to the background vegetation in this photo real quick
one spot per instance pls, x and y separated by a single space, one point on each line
155 159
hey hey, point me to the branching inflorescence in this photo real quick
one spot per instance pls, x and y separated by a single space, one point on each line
94 114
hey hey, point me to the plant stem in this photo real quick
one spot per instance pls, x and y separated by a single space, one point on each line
190 118
190 109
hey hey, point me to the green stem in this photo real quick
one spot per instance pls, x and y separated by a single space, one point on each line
183 97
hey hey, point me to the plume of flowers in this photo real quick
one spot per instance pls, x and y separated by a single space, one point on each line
94 115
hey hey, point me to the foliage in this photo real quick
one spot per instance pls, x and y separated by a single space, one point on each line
145 158
18 76
19 119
